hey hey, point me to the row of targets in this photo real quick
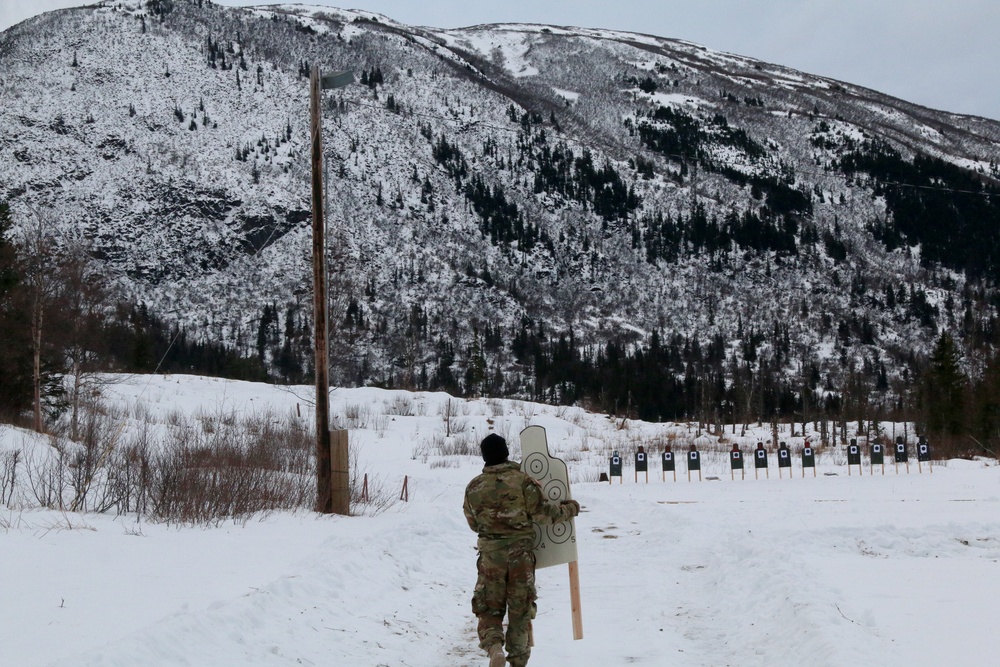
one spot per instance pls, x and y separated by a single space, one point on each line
761 460
900 454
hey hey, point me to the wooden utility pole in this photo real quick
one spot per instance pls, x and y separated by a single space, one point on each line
324 467
333 494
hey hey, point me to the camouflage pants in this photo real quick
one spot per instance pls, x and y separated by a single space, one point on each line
506 583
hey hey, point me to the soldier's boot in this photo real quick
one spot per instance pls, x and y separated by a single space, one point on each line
496 655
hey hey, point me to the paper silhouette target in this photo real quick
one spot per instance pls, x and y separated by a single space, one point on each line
555 544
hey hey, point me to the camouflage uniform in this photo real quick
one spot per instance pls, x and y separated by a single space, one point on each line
500 505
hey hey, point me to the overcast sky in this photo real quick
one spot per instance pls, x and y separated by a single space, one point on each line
944 54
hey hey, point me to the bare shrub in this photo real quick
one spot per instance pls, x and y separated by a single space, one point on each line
194 470
377 498
224 465
232 476
420 409
207 423
176 418
8 475
357 416
45 475
239 467
380 424
580 475
97 429
463 444
401 406
419 451
449 411
127 484
352 413
496 407
65 522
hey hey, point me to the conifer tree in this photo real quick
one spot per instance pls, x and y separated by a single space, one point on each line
944 389
15 360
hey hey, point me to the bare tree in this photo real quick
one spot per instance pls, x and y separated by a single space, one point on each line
83 305
38 270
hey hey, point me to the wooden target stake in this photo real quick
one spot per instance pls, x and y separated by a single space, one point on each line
574 597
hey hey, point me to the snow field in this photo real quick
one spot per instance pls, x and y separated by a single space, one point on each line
833 570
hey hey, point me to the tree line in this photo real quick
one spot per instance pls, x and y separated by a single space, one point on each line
63 323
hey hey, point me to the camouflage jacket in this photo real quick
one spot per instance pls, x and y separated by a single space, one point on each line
502 503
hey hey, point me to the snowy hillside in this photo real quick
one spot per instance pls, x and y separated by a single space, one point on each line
495 187
835 570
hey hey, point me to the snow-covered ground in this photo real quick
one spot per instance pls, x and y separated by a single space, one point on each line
893 569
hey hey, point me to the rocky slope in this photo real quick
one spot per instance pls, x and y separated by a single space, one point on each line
494 186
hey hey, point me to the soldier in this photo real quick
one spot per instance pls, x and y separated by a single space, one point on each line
500 505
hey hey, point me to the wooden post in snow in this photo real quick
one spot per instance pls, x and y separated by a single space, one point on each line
574 600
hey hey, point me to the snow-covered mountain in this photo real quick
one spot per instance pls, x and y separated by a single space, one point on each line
495 186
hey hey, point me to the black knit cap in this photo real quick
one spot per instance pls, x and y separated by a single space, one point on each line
494 449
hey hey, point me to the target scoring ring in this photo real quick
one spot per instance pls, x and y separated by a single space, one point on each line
539 536
536 465
560 533
555 490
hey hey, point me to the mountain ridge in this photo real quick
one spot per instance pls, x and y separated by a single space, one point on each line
494 187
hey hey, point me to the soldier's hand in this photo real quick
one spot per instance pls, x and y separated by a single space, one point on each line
573 505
